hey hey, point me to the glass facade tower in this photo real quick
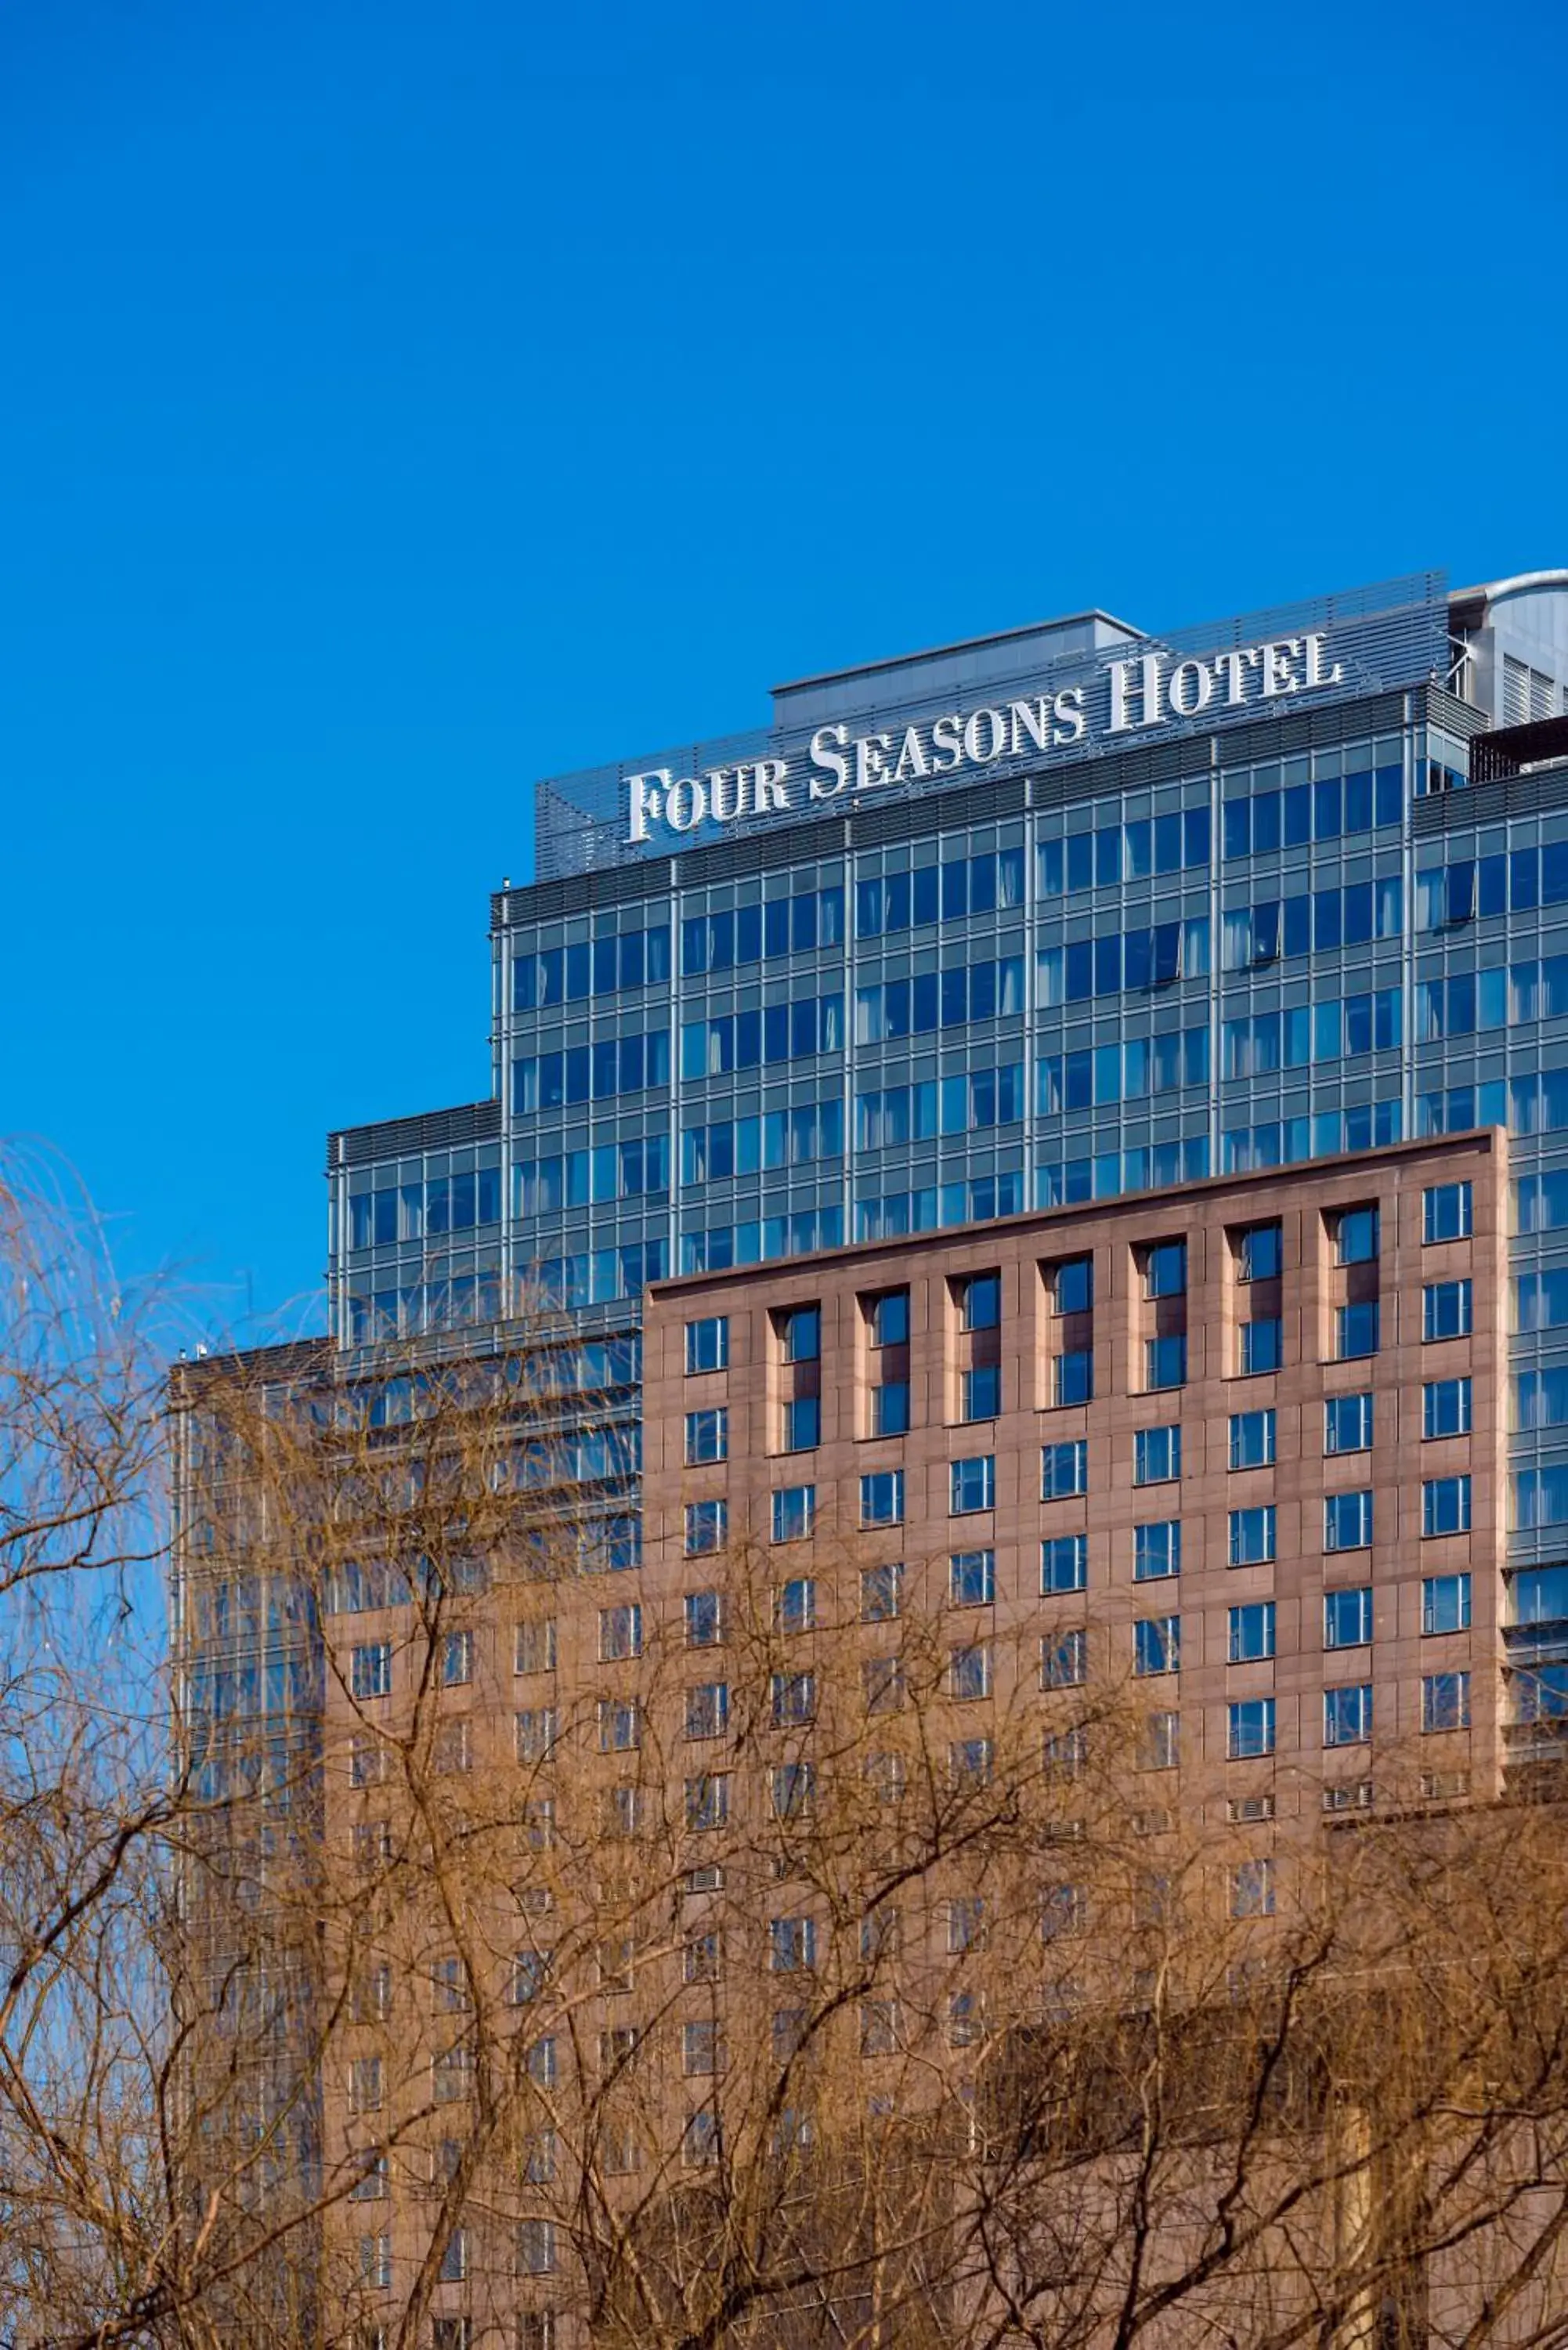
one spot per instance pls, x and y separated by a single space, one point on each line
1037 921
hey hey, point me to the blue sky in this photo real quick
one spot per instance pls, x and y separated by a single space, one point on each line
402 403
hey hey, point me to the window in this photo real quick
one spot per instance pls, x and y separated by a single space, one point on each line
1064 1662
699 2048
889 1318
699 1959
707 1801
1446 1213
1157 1550
1164 1269
1252 1535
979 1392
535 1732
1165 1362
1446 1310
1160 1748
1446 1701
456 1659
530 1974
621 1633
708 1710
1347 1424
621 1725
793 1699
1347 1715
707 1528
707 1344
365 2085
1347 1618
376 2263
1156 1645
969 1673
704 1613
1251 1633
1073 1378
881 1589
971 1578
794 1605
1252 1439
1157 1455
1063 1564
882 1498
1249 1729
1064 1470
1355 1236
707 1436
973 1485
878 2027
536 2330
890 1408
1071 1285
536 2247
370 1670
794 1513
370 2187
979 1299
882 1684
802 1423
1445 1408
1253 1888
452 2074
791 1945
533 1646
700 2141
1262 1346
1445 1505
1446 1603
1346 1521
1356 1331
1260 1253
800 1331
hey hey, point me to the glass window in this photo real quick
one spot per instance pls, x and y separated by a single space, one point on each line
1446 1603
1072 1378
980 1301
1157 1550
882 1498
795 1605
621 1633
890 1408
1260 1253
1252 1439
881 1589
1065 1660
708 1710
708 1344
1445 1701
1347 1423
1064 1470
1249 1729
705 1619
1446 1310
972 1484
1164 1269
971 1578
1347 1618
1156 1645
1346 1521
1347 1715
1252 1889
1356 1330
1355 1236
1446 1211
707 1528
801 1330
969 1673
457 1659
1165 1362
1445 1505
889 1318
1445 1408
1252 1535
370 1670
1263 1343
794 1512
707 1436
1251 1632
1157 1455
980 1396
1063 1564
802 1423
1073 1284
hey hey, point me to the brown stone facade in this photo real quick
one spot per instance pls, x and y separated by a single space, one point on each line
1033 1349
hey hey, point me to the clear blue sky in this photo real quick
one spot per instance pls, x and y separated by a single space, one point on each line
402 403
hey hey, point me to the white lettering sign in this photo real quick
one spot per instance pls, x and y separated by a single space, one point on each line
1145 691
